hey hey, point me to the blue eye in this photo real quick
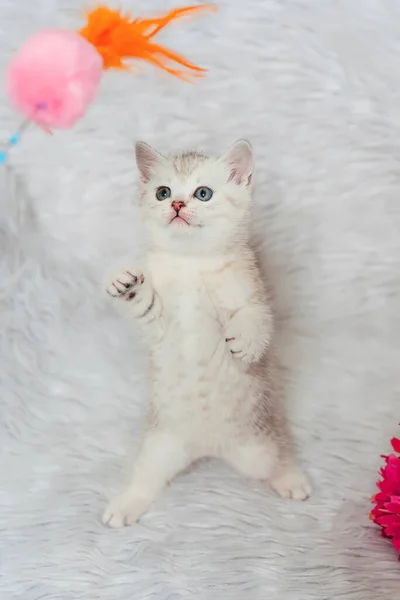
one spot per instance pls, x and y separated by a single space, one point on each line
204 194
163 193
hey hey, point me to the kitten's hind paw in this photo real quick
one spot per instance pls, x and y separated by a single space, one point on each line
292 483
125 509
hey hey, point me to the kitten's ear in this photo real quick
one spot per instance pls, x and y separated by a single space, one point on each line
147 160
240 161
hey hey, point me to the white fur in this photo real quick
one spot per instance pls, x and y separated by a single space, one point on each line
204 314
315 86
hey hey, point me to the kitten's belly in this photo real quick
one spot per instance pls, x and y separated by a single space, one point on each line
192 361
193 348
198 389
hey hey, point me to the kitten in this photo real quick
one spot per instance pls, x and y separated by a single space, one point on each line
201 306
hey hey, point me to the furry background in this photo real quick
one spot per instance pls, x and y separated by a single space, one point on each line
315 86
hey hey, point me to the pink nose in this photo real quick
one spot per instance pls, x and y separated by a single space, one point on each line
177 205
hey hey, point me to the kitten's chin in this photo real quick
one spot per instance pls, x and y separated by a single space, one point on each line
193 239
179 238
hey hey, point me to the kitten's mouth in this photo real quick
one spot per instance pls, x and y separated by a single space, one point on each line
179 219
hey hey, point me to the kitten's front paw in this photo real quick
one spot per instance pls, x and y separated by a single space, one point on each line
244 343
125 509
125 284
292 483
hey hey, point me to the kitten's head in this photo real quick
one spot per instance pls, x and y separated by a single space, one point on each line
195 204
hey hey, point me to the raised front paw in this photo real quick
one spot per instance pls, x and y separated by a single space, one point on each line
244 343
125 284
136 293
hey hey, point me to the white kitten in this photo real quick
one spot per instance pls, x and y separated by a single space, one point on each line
202 308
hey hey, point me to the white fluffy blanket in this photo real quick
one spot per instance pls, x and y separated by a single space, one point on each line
315 85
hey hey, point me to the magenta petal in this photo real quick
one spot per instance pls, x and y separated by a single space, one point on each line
396 544
385 520
393 530
395 444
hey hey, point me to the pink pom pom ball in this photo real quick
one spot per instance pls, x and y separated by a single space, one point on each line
54 77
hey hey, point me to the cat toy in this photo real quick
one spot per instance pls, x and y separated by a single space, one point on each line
54 76
386 512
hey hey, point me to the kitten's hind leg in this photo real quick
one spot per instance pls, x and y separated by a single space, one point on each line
262 458
161 457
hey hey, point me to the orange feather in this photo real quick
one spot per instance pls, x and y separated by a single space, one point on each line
118 38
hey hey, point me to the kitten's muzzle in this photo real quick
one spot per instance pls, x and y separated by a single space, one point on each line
177 206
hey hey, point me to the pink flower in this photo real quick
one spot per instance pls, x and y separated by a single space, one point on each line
386 512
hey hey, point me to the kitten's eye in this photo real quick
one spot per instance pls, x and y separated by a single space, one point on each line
163 193
204 194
